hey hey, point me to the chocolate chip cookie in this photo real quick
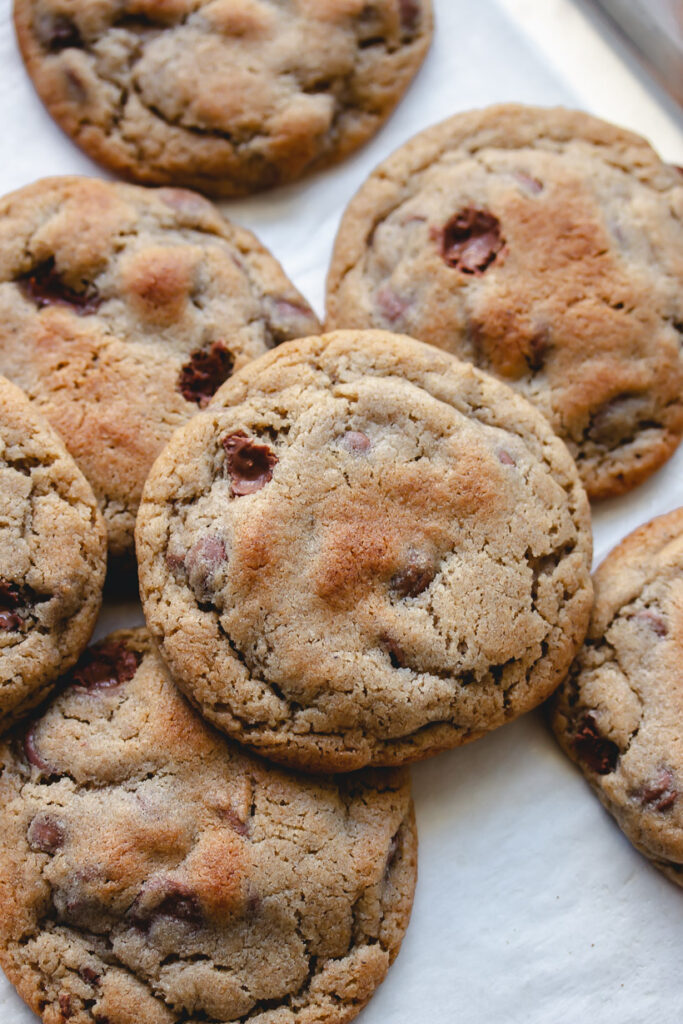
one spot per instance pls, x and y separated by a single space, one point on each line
227 96
52 556
364 551
122 309
151 872
546 247
618 714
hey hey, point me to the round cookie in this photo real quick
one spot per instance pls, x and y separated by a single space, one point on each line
122 309
227 96
546 247
363 552
618 714
151 872
52 557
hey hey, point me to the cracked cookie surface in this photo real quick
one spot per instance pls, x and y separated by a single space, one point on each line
364 551
618 714
152 871
122 310
546 247
227 96
52 556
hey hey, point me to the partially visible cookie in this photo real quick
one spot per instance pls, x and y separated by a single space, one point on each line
619 713
151 872
546 247
227 96
364 552
52 557
122 309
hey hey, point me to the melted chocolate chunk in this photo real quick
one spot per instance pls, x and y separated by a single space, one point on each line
617 420
10 600
537 349
92 977
45 833
396 655
202 561
207 369
165 898
391 856
595 751
60 33
471 241
653 621
250 465
356 442
234 821
44 286
417 574
410 14
104 667
65 1005
33 755
659 795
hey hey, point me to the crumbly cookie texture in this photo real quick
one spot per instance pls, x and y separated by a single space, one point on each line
363 552
151 872
546 247
122 310
52 557
618 714
227 96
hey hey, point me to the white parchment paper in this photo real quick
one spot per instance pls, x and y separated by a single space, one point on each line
531 906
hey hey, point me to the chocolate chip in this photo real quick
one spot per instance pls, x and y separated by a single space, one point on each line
202 561
356 442
33 755
596 751
471 241
234 821
617 420
537 349
207 369
104 667
65 1005
250 465
391 304
165 898
60 33
506 458
416 575
45 833
410 14
659 795
89 975
396 655
287 319
44 286
10 599
653 621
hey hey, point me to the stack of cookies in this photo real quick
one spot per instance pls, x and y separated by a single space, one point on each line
355 549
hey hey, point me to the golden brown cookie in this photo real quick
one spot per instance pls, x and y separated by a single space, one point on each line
227 96
546 247
618 715
122 309
52 556
364 551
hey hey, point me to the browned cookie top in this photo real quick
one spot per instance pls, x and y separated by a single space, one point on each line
364 551
228 96
546 247
122 309
52 556
151 872
619 713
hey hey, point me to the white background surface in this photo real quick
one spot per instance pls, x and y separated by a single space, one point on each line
531 907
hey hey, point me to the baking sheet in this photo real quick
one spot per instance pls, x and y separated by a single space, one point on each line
531 906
